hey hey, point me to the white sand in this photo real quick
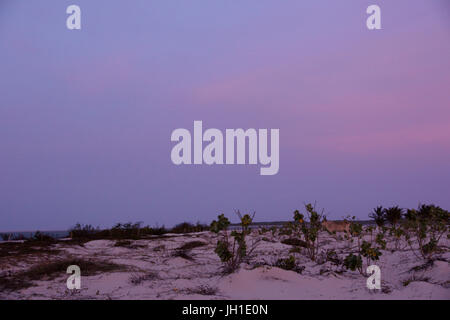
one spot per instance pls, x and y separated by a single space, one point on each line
201 277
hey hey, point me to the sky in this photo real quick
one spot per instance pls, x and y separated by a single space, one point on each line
86 115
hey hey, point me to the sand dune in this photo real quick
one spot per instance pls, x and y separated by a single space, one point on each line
157 269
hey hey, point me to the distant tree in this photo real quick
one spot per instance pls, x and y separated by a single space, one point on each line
378 215
426 225
393 215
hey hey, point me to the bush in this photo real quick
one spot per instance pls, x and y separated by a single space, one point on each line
232 252
287 229
295 242
379 240
289 264
309 229
222 223
369 252
137 278
130 230
126 231
191 245
119 231
202 290
333 257
286 264
397 233
82 231
354 261
187 227
40 237
426 225
183 251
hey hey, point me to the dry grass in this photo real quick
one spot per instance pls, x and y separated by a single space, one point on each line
191 245
128 244
202 290
137 278
19 249
295 242
159 248
183 251
182 254
413 279
54 269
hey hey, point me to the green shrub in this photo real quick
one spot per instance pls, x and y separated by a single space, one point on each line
369 252
397 233
231 252
333 257
380 240
221 224
309 230
426 226
354 261
187 227
289 264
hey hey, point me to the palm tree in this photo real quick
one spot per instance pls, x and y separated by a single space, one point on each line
378 215
393 215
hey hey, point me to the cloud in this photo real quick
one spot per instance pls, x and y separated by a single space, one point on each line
395 142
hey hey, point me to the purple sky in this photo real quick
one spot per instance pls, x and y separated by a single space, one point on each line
86 116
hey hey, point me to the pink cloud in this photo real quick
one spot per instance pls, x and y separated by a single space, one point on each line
397 140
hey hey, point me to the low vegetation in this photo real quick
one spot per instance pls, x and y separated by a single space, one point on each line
232 252
132 231
419 230
367 251
289 264
306 228
26 248
53 269
426 226
139 278
129 244
184 250
202 290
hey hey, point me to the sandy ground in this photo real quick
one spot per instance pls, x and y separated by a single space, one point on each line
163 275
